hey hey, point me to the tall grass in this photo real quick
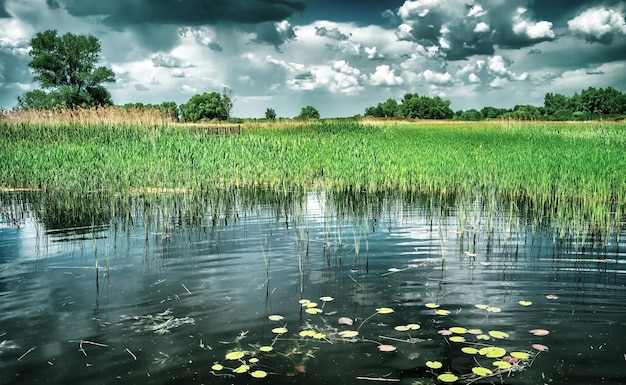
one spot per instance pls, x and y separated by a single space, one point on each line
558 168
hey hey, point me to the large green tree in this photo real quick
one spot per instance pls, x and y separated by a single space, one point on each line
66 66
206 106
308 112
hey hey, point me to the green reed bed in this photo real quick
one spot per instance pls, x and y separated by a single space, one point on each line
554 165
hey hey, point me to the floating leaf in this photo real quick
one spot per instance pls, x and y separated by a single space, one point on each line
217 367
540 347
254 360
520 355
552 296
307 333
510 359
402 328
432 305
310 304
326 299
345 321
319 336
276 317
498 334
304 301
445 332
483 337
413 326
481 306
447 377
493 309
241 369
457 339
259 374
458 330
393 270
469 350
434 364
314 310
525 303
384 310
386 348
348 333
266 349
279 330
485 263
442 312
475 331
492 352
479 370
234 355
539 332
502 364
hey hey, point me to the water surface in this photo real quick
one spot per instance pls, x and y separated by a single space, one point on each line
158 289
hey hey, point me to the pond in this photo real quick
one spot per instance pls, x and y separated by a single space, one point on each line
240 287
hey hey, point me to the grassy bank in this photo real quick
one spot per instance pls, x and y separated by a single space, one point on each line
548 163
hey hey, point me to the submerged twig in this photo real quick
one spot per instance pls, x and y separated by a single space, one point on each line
186 288
131 354
382 379
28 351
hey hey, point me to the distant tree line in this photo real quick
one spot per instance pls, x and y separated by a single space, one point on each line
591 103
412 106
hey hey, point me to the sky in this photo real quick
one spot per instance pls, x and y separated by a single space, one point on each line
337 56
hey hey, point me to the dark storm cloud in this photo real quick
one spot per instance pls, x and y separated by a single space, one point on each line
461 30
3 11
52 4
167 61
124 13
332 33
272 33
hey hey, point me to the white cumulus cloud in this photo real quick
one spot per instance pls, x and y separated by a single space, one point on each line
534 30
385 76
598 24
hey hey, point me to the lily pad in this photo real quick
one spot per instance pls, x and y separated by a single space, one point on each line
432 305
384 310
279 330
217 367
276 317
447 377
539 332
386 348
502 365
493 309
442 312
413 326
348 333
525 303
241 369
259 374
345 321
402 328
458 330
457 339
313 310
540 347
492 352
326 299
479 370
234 355
307 333
498 334
434 364
520 355
266 349
469 350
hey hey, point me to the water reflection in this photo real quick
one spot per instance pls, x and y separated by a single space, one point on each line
157 288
